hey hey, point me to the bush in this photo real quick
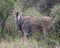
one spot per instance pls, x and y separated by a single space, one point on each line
56 14
6 7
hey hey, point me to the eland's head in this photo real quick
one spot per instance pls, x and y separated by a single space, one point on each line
18 15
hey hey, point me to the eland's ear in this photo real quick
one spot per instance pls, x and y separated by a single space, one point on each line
21 13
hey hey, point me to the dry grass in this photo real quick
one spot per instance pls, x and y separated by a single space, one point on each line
29 43
21 44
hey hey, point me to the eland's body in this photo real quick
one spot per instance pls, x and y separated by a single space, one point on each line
28 24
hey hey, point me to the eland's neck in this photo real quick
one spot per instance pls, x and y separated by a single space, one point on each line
17 18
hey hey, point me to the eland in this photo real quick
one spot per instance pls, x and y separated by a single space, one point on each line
28 24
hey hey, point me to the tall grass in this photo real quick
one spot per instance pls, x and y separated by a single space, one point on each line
29 43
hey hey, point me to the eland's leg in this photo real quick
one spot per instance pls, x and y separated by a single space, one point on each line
25 29
45 31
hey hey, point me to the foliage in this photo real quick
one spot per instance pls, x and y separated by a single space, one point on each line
5 10
56 14
43 6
